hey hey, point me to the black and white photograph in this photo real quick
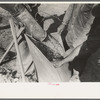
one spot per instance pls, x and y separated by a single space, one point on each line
49 42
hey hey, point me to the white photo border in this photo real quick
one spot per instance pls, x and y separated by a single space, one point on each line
44 90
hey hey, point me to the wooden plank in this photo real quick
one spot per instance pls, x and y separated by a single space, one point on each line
45 69
64 72
17 48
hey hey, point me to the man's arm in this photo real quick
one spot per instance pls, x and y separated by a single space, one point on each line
70 57
66 18
68 14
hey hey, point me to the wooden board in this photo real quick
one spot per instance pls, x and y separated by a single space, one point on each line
64 72
46 71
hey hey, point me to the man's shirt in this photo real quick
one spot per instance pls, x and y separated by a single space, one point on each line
80 20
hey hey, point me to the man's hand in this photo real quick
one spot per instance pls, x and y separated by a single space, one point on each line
68 52
60 28
57 64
